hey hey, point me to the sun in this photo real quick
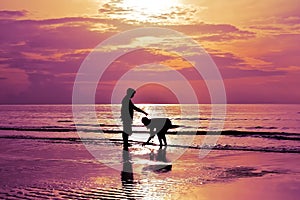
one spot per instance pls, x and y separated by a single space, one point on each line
148 10
151 7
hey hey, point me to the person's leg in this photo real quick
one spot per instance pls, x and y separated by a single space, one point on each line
160 139
127 130
163 133
164 138
125 140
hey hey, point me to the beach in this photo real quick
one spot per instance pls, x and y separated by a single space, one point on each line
51 160
64 169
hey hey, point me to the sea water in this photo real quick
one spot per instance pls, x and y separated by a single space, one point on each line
238 117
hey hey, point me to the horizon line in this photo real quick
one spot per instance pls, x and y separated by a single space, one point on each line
145 103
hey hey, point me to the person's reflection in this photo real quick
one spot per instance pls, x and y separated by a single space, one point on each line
162 157
127 172
127 175
163 165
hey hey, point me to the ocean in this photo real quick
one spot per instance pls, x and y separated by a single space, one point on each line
239 117
261 127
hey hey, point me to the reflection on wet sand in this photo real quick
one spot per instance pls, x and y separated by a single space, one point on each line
162 164
127 172
75 175
127 178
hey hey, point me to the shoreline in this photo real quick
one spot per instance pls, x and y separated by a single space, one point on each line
120 141
40 169
197 132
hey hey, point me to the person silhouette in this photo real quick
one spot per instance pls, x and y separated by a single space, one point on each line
159 127
127 116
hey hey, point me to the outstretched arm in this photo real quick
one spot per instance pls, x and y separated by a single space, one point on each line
137 109
152 134
148 140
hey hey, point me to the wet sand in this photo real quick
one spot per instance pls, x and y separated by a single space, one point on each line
58 169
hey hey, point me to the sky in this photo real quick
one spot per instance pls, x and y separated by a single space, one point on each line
254 45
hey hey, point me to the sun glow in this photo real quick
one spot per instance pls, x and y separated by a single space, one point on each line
151 7
149 10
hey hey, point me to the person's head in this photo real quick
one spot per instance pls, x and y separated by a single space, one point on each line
146 121
130 92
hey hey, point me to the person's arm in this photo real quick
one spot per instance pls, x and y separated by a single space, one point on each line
152 134
137 109
148 140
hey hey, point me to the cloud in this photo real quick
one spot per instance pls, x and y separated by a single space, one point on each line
277 25
113 8
48 52
282 51
277 89
13 13
231 67
45 54
56 33
214 32
13 82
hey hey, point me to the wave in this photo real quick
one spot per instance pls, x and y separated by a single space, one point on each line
196 118
40 129
262 127
98 141
64 121
99 129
